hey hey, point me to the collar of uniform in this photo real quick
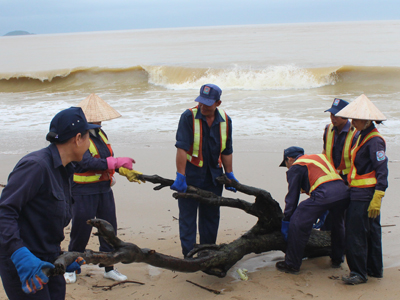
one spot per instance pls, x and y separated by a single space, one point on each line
55 155
218 118
294 168
57 159
346 127
93 132
298 156
368 130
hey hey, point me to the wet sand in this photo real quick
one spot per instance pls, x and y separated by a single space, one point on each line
148 219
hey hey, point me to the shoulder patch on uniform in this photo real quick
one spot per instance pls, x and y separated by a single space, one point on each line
380 155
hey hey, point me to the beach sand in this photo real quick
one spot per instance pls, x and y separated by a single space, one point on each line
147 218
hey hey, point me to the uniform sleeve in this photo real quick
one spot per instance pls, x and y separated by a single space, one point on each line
23 185
229 149
184 134
377 152
294 179
89 162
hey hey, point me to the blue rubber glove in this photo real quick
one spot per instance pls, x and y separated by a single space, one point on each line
231 177
321 220
285 229
76 266
179 183
29 269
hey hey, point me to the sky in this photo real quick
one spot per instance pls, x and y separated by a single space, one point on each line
67 16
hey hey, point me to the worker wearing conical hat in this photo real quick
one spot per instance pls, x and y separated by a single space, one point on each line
93 178
368 182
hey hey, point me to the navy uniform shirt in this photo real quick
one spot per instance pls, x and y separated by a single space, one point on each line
338 143
35 204
90 163
371 156
298 181
211 147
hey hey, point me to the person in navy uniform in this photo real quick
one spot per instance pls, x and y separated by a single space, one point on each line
317 177
92 182
35 208
204 150
339 137
368 181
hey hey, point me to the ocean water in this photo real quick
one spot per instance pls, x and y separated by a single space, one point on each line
277 80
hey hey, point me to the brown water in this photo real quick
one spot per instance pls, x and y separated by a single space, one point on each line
276 79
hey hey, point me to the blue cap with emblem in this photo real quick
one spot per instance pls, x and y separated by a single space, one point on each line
293 151
337 106
67 124
209 94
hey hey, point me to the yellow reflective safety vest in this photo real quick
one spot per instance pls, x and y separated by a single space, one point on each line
345 163
96 175
195 153
320 170
365 180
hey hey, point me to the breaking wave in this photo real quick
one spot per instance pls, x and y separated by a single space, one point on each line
285 77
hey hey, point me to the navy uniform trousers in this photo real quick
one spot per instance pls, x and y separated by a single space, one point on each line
302 221
85 207
364 241
208 220
53 290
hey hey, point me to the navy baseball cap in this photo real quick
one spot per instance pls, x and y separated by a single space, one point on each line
337 106
291 152
209 94
69 122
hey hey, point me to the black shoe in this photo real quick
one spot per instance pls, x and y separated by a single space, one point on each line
353 279
336 264
283 267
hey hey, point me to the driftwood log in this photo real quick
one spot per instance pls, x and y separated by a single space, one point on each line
215 260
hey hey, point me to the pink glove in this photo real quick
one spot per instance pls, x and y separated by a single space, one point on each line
117 162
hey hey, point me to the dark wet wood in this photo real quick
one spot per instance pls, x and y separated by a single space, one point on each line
214 260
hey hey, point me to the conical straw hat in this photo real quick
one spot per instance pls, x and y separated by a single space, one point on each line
97 110
362 109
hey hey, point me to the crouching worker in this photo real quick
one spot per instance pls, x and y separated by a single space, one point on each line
35 208
327 191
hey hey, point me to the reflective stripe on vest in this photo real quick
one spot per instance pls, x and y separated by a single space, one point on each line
195 153
345 163
365 180
98 175
320 170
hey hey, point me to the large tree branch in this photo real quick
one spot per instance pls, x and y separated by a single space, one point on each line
212 259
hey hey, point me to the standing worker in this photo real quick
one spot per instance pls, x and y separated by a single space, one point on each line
91 189
35 208
368 181
204 146
317 176
339 137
